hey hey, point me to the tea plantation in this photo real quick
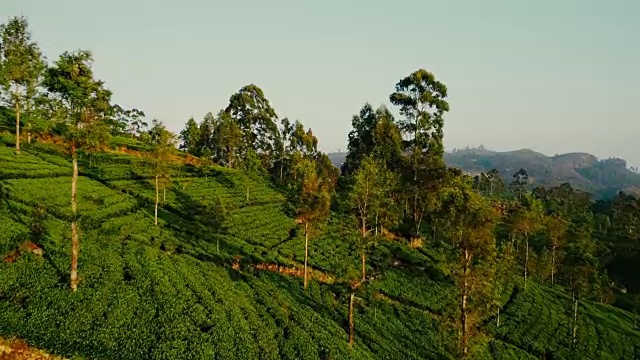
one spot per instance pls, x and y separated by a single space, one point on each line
189 288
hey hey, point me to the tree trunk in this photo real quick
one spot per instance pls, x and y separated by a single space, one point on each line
364 244
376 223
464 340
157 196
364 271
247 194
553 264
306 251
526 261
17 106
498 320
164 194
28 113
351 324
74 221
575 320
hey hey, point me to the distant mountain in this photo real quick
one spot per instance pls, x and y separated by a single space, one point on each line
583 171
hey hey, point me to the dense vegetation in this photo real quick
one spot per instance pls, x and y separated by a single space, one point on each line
245 242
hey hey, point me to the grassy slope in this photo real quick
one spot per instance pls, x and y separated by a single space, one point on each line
171 292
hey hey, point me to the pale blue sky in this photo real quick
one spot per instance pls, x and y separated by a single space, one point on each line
555 75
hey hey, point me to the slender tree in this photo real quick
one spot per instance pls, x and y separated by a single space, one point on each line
85 104
470 221
556 228
21 66
371 190
227 137
519 182
361 141
312 199
525 221
581 266
189 137
163 142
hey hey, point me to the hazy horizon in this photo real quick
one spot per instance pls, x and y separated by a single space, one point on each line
553 77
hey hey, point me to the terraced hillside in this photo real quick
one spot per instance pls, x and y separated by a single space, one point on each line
197 286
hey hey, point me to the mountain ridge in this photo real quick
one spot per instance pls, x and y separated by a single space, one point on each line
584 171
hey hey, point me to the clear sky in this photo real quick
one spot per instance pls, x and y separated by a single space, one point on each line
552 75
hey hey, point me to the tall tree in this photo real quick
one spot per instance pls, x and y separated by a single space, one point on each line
21 66
373 132
581 265
190 136
490 184
373 186
163 142
422 102
206 141
519 183
387 140
136 122
256 119
556 228
312 199
283 151
227 137
470 222
127 121
85 104
525 221
360 142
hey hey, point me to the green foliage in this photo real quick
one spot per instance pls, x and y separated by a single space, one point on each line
21 67
218 277
155 292
190 136
84 101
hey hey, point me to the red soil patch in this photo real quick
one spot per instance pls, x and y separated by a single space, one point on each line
19 350
26 247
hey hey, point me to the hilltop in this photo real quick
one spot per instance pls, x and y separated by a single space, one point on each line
602 177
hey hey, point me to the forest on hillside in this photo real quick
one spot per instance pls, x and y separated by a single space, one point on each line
252 244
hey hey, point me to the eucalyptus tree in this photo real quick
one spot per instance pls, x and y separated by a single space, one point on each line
422 102
371 199
469 220
189 137
84 106
21 67
163 143
312 199
255 117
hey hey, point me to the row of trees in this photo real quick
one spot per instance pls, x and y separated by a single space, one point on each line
248 135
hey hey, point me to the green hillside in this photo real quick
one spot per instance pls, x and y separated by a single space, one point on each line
237 238
173 291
